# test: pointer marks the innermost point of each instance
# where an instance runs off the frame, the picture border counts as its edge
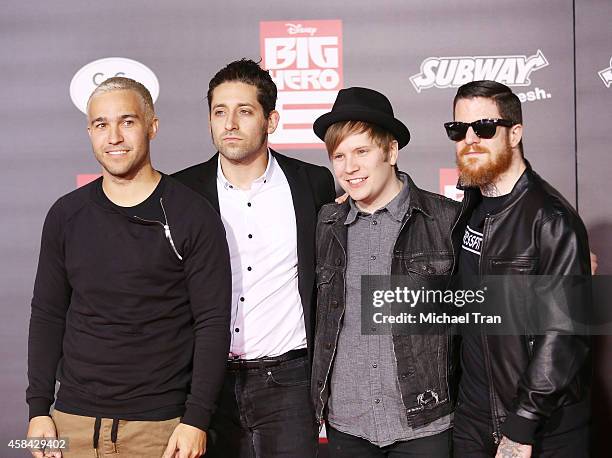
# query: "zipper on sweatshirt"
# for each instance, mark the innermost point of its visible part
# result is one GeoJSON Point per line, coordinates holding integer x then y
{"type": "Point", "coordinates": [166, 227]}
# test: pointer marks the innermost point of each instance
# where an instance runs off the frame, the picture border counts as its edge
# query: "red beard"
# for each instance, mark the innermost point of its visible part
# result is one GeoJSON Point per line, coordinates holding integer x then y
{"type": "Point", "coordinates": [474, 172]}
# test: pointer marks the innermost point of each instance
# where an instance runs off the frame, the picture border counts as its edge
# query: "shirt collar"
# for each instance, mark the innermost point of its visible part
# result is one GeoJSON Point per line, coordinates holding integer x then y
{"type": "Point", "coordinates": [258, 182]}
{"type": "Point", "coordinates": [397, 208]}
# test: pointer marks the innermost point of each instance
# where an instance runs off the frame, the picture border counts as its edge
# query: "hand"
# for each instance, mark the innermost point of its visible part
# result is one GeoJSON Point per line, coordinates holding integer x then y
{"type": "Point", "coordinates": [186, 442]}
{"type": "Point", "coordinates": [341, 199]}
{"type": "Point", "coordinates": [43, 427]}
{"type": "Point", "coordinates": [510, 449]}
{"type": "Point", "coordinates": [593, 263]}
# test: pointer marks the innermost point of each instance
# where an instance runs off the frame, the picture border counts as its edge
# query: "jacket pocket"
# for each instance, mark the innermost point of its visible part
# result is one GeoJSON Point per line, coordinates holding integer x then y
{"type": "Point", "coordinates": [325, 299]}
{"type": "Point", "coordinates": [428, 269]}
{"type": "Point", "coordinates": [438, 263]}
{"type": "Point", "coordinates": [530, 340]}
{"type": "Point", "coordinates": [324, 276]}
{"type": "Point", "coordinates": [519, 265]}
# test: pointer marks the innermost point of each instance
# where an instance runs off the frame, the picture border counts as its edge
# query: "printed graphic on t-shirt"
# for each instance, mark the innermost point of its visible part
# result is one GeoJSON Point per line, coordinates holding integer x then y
{"type": "Point", "coordinates": [472, 240]}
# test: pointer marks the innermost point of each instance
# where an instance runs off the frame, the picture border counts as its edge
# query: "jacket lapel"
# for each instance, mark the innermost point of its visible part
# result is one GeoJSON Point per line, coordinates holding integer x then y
{"type": "Point", "coordinates": [305, 218]}
{"type": "Point", "coordinates": [208, 181]}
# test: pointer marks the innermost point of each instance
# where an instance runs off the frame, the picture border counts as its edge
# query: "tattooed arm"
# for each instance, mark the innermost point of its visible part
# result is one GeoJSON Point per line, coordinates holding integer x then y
{"type": "Point", "coordinates": [510, 449]}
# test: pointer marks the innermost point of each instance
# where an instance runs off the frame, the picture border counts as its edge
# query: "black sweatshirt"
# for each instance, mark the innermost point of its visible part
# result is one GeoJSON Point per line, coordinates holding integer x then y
{"type": "Point", "coordinates": [128, 327]}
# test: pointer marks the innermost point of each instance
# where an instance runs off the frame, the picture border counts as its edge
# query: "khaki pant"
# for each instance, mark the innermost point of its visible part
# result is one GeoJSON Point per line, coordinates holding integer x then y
{"type": "Point", "coordinates": [135, 439]}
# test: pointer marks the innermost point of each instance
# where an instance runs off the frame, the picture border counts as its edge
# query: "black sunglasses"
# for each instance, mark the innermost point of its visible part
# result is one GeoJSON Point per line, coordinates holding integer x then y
{"type": "Point", "coordinates": [484, 128]}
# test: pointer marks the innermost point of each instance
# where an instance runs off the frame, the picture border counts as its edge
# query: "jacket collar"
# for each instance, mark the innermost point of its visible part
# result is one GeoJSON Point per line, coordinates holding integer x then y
{"type": "Point", "coordinates": [415, 196]}
{"type": "Point", "coordinates": [397, 207]}
{"type": "Point", "coordinates": [528, 177]}
{"type": "Point", "coordinates": [207, 175]}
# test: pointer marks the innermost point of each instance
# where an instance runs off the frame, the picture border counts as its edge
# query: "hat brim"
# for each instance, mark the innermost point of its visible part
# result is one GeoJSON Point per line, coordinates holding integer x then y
{"type": "Point", "coordinates": [389, 123]}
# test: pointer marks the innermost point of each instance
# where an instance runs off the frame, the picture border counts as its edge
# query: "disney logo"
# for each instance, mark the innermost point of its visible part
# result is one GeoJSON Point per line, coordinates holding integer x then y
{"type": "Point", "coordinates": [294, 29]}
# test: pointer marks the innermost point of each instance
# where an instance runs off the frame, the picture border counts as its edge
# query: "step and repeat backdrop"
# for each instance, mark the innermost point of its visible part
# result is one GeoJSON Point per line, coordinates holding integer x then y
{"type": "Point", "coordinates": [555, 54]}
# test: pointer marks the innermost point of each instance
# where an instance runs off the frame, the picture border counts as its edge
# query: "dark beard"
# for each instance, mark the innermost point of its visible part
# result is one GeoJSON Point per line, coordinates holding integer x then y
{"type": "Point", "coordinates": [483, 176]}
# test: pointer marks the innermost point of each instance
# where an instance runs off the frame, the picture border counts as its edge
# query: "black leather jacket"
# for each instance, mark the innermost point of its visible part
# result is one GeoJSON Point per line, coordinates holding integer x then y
{"type": "Point", "coordinates": [423, 250]}
{"type": "Point", "coordinates": [532, 378]}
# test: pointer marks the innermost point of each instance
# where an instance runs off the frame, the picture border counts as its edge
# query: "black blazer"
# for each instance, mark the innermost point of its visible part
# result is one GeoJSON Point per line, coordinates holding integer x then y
{"type": "Point", "coordinates": [311, 186]}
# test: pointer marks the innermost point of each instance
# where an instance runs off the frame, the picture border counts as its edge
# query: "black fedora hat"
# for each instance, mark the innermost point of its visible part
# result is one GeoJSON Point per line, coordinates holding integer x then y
{"type": "Point", "coordinates": [362, 104]}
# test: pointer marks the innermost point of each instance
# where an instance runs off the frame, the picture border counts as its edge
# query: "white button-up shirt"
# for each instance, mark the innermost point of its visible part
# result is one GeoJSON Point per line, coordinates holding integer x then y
{"type": "Point", "coordinates": [267, 312]}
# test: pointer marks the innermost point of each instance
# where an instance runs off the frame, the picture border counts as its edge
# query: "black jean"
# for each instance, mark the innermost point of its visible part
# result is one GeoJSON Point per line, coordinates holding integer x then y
{"type": "Point", "coordinates": [265, 413]}
{"type": "Point", "coordinates": [473, 438]}
{"type": "Point", "coordinates": [342, 445]}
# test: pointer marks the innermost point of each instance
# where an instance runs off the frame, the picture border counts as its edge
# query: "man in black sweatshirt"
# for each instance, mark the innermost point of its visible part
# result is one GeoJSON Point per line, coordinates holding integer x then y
{"type": "Point", "coordinates": [130, 311]}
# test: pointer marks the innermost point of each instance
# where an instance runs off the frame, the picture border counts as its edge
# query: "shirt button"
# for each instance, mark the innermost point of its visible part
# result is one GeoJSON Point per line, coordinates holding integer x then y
{"type": "Point", "coordinates": [248, 204]}
{"type": "Point", "coordinates": [242, 299]}
{"type": "Point", "coordinates": [250, 236]}
{"type": "Point", "coordinates": [374, 223]}
{"type": "Point", "coordinates": [374, 365]}
{"type": "Point", "coordinates": [377, 401]}
{"type": "Point", "coordinates": [237, 329]}
{"type": "Point", "coordinates": [249, 268]}
{"type": "Point", "coordinates": [373, 258]}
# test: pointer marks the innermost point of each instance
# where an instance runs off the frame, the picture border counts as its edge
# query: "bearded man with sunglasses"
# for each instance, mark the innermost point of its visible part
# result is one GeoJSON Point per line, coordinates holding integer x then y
{"type": "Point", "coordinates": [520, 396]}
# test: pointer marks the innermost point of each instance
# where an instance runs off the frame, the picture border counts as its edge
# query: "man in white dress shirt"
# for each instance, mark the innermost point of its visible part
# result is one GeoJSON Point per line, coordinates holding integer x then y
{"type": "Point", "coordinates": [268, 203]}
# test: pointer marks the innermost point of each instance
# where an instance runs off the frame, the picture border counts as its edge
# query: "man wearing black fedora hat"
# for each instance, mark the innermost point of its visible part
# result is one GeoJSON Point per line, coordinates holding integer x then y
{"type": "Point", "coordinates": [381, 394]}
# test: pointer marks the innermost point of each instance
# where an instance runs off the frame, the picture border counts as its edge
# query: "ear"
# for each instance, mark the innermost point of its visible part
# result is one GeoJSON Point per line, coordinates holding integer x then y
{"type": "Point", "coordinates": [153, 128]}
{"type": "Point", "coordinates": [273, 119]}
{"type": "Point", "coordinates": [516, 134]}
{"type": "Point", "coordinates": [393, 152]}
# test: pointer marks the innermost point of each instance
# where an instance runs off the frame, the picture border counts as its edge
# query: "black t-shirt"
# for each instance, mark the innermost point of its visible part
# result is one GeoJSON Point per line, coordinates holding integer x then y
{"type": "Point", "coordinates": [474, 387]}
{"type": "Point", "coordinates": [119, 321]}
{"type": "Point", "coordinates": [150, 209]}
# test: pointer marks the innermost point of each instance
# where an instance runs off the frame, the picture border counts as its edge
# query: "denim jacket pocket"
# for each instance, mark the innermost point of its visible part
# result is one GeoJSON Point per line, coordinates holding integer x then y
{"type": "Point", "coordinates": [439, 263]}
{"type": "Point", "coordinates": [324, 275]}
{"type": "Point", "coordinates": [325, 299]}
{"type": "Point", "coordinates": [427, 269]}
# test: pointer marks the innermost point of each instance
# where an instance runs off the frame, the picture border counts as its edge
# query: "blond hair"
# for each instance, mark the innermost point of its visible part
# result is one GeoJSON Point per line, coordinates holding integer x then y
{"type": "Point", "coordinates": [121, 83]}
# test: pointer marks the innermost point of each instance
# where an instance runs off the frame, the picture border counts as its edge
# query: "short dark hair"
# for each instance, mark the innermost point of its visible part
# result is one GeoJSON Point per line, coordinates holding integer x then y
{"type": "Point", "coordinates": [247, 71]}
{"type": "Point", "coordinates": [508, 104]}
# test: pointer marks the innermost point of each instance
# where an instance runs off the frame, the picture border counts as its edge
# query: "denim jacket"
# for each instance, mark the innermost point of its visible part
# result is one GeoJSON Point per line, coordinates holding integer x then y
{"type": "Point", "coordinates": [423, 252]}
